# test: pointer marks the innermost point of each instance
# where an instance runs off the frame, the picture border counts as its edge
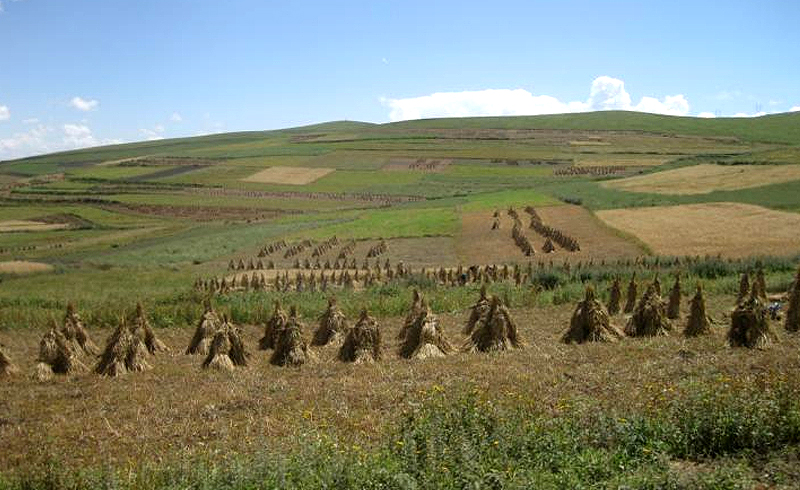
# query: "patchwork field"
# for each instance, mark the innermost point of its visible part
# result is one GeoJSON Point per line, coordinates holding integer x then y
{"type": "Point", "coordinates": [26, 225]}
{"type": "Point", "coordinates": [23, 267]}
{"type": "Point", "coordinates": [288, 175]}
{"type": "Point", "coordinates": [730, 229]}
{"type": "Point", "coordinates": [700, 179]}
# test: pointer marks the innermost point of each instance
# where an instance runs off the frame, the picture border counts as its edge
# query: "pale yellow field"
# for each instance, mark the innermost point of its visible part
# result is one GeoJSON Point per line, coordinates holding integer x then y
{"type": "Point", "coordinates": [701, 179]}
{"type": "Point", "coordinates": [730, 229]}
{"type": "Point", "coordinates": [25, 225]}
{"type": "Point", "coordinates": [288, 175]}
{"type": "Point", "coordinates": [23, 267]}
{"type": "Point", "coordinates": [601, 159]}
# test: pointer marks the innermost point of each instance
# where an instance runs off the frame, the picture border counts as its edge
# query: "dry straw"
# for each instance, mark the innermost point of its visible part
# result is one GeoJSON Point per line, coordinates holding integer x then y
{"type": "Point", "coordinates": [478, 312]}
{"type": "Point", "coordinates": [142, 329]}
{"type": "Point", "coordinates": [750, 323]}
{"type": "Point", "coordinates": [75, 331]}
{"type": "Point", "coordinates": [793, 312]}
{"type": "Point", "coordinates": [698, 323]}
{"type": "Point", "coordinates": [744, 288]}
{"type": "Point", "coordinates": [227, 349]}
{"type": "Point", "coordinates": [590, 322]}
{"type": "Point", "coordinates": [274, 325]}
{"type": "Point", "coordinates": [7, 368]}
{"type": "Point", "coordinates": [206, 329]}
{"type": "Point", "coordinates": [125, 352]}
{"type": "Point", "coordinates": [495, 331]}
{"type": "Point", "coordinates": [413, 312]}
{"type": "Point", "coordinates": [332, 325]}
{"type": "Point", "coordinates": [674, 305]}
{"type": "Point", "coordinates": [614, 297]}
{"type": "Point", "coordinates": [363, 342]}
{"type": "Point", "coordinates": [425, 338]}
{"type": "Point", "coordinates": [56, 355]}
{"type": "Point", "coordinates": [630, 304]}
{"type": "Point", "coordinates": [291, 348]}
{"type": "Point", "coordinates": [649, 319]}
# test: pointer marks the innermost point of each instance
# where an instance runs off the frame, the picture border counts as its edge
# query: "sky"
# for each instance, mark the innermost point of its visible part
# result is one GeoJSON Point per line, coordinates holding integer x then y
{"type": "Point", "coordinates": [77, 73]}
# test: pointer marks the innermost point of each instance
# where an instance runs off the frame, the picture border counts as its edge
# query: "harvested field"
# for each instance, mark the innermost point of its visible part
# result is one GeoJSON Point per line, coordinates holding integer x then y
{"type": "Point", "coordinates": [178, 409]}
{"type": "Point", "coordinates": [418, 164]}
{"type": "Point", "coordinates": [705, 178]}
{"type": "Point", "coordinates": [288, 175]}
{"type": "Point", "coordinates": [27, 225]}
{"type": "Point", "coordinates": [479, 244]}
{"type": "Point", "coordinates": [730, 229]}
{"type": "Point", "coordinates": [23, 267]}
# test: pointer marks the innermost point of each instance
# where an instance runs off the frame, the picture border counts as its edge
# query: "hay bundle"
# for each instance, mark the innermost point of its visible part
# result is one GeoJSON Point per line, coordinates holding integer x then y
{"type": "Point", "coordinates": [744, 288]}
{"type": "Point", "coordinates": [674, 305]}
{"type": "Point", "coordinates": [363, 341]}
{"type": "Point", "coordinates": [206, 329]}
{"type": "Point", "coordinates": [750, 324]}
{"type": "Point", "coordinates": [274, 325]}
{"type": "Point", "coordinates": [290, 346]}
{"type": "Point", "coordinates": [496, 331]}
{"type": "Point", "coordinates": [793, 312]}
{"type": "Point", "coordinates": [56, 355]}
{"type": "Point", "coordinates": [7, 368]}
{"type": "Point", "coordinates": [649, 319]}
{"type": "Point", "coordinates": [411, 316]}
{"type": "Point", "coordinates": [75, 331]}
{"type": "Point", "coordinates": [332, 325]}
{"type": "Point", "coordinates": [425, 339]}
{"type": "Point", "coordinates": [630, 303]}
{"type": "Point", "coordinates": [614, 297]}
{"type": "Point", "coordinates": [124, 352]}
{"type": "Point", "coordinates": [760, 286]}
{"type": "Point", "coordinates": [479, 311]}
{"type": "Point", "coordinates": [698, 322]}
{"type": "Point", "coordinates": [227, 349]}
{"type": "Point", "coordinates": [142, 329]}
{"type": "Point", "coordinates": [590, 322]}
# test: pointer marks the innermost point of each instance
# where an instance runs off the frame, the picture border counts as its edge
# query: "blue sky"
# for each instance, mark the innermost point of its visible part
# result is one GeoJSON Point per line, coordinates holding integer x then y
{"type": "Point", "coordinates": [85, 72]}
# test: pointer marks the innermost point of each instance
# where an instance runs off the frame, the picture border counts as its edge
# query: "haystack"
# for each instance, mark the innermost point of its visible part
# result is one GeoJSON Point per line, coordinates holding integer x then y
{"type": "Point", "coordinates": [56, 355]}
{"type": "Point", "coordinates": [630, 303]}
{"type": "Point", "coordinates": [479, 311]}
{"type": "Point", "coordinates": [614, 297]}
{"type": "Point", "coordinates": [698, 323]}
{"type": "Point", "coordinates": [142, 329]}
{"type": "Point", "coordinates": [425, 339]}
{"type": "Point", "coordinates": [332, 325]}
{"type": "Point", "coordinates": [206, 329]}
{"type": "Point", "coordinates": [363, 341]}
{"type": "Point", "coordinates": [649, 319]}
{"type": "Point", "coordinates": [290, 346]}
{"type": "Point", "coordinates": [75, 331]}
{"type": "Point", "coordinates": [413, 312]}
{"type": "Point", "coordinates": [793, 312]}
{"type": "Point", "coordinates": [125, 352]}
{"type": "Point", "coordinates": [674, 305]}
{"type": "Point", "coordinates": [744, 288]}
{"type": "Point", "coordinates": [750, 324]}
{"type": "Point", "coordinates": [496, 331]}
{"type": "Point", "coordinates": [590, 322]}
{"type": "Point", "coordinates": [227, 349]}
{"type": "Point", "coordinates": [760, 286]}
{"type": "Point", "coordinates": [7, 368]}
{"type": "Point", "coordinates": [274, 325]}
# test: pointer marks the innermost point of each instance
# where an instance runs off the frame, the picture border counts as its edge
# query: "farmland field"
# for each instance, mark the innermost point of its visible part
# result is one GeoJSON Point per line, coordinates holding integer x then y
{"type": "Point", "coordinates": [533, 208]}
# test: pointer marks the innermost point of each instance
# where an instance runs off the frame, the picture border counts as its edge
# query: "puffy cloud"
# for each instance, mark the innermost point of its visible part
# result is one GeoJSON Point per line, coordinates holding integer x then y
{"type": "Point", "coordinates": [5, 114]}
{"type": "Point", "coordinates": [28, 142]}
{"type": "Point", "coordinates": [78, 136]}
{"type": "Point", "coordinates": [795, 109]}
{"type": "Point", "coordinates": [175, 117]}
{"type": "Point", "coordinates": [84, 105]}
{"type": "Point", "coordinates": [606, 93]}
{"type": "Point", "coordinates": [745, 114]}
{"type": "Point", "coordinates": [153, 134]}
{"type": "Point", "coordinates": [707, 115]}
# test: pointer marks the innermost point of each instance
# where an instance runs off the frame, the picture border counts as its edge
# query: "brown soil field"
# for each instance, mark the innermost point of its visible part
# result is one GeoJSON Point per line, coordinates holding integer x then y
{"type": "Point", "coordinates": [704, 178]}
{"type": "Point", "coordinates": [730, 229]}
{"type": "Point", "coordinates": [26, 225]}
{"type": "Point", "coordinates": [177, 409]}
{"type": "Point", "coordinates": [23, 267]}
{"type": "Point", "coordinates": [479, 244]}
{"type": "Point", "coordinates": [288, 175]}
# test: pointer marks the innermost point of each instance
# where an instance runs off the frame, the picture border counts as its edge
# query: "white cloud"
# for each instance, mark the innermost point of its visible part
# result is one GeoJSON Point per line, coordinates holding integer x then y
{"type": "Point", "coordinates": [156, 133]}
{"type": "Point", "coordinates": [78, 136]}
{"type": "Point", "coordinates": [28, 142]}
{"type": "Point", "coordinates": [84, 105]}
{"type": "Point", "coordinates": [708, 115]}
{"type": "Point", "coordinates": [745, 114]}
{"type": "Point", "coordinates": [606, 93]}
{"type": "Point", "coordinates": [31, 120]}
{"type": "Point", "coordinates": [5, 114]}
{"type": "Point", "coordinates": [175, 117]}
{"type": "Point", "coordinates": [795, 108]}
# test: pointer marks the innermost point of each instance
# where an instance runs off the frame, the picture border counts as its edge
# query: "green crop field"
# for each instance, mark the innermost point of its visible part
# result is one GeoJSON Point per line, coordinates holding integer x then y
{"type": "Point", "coordinates": [172, 223]}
